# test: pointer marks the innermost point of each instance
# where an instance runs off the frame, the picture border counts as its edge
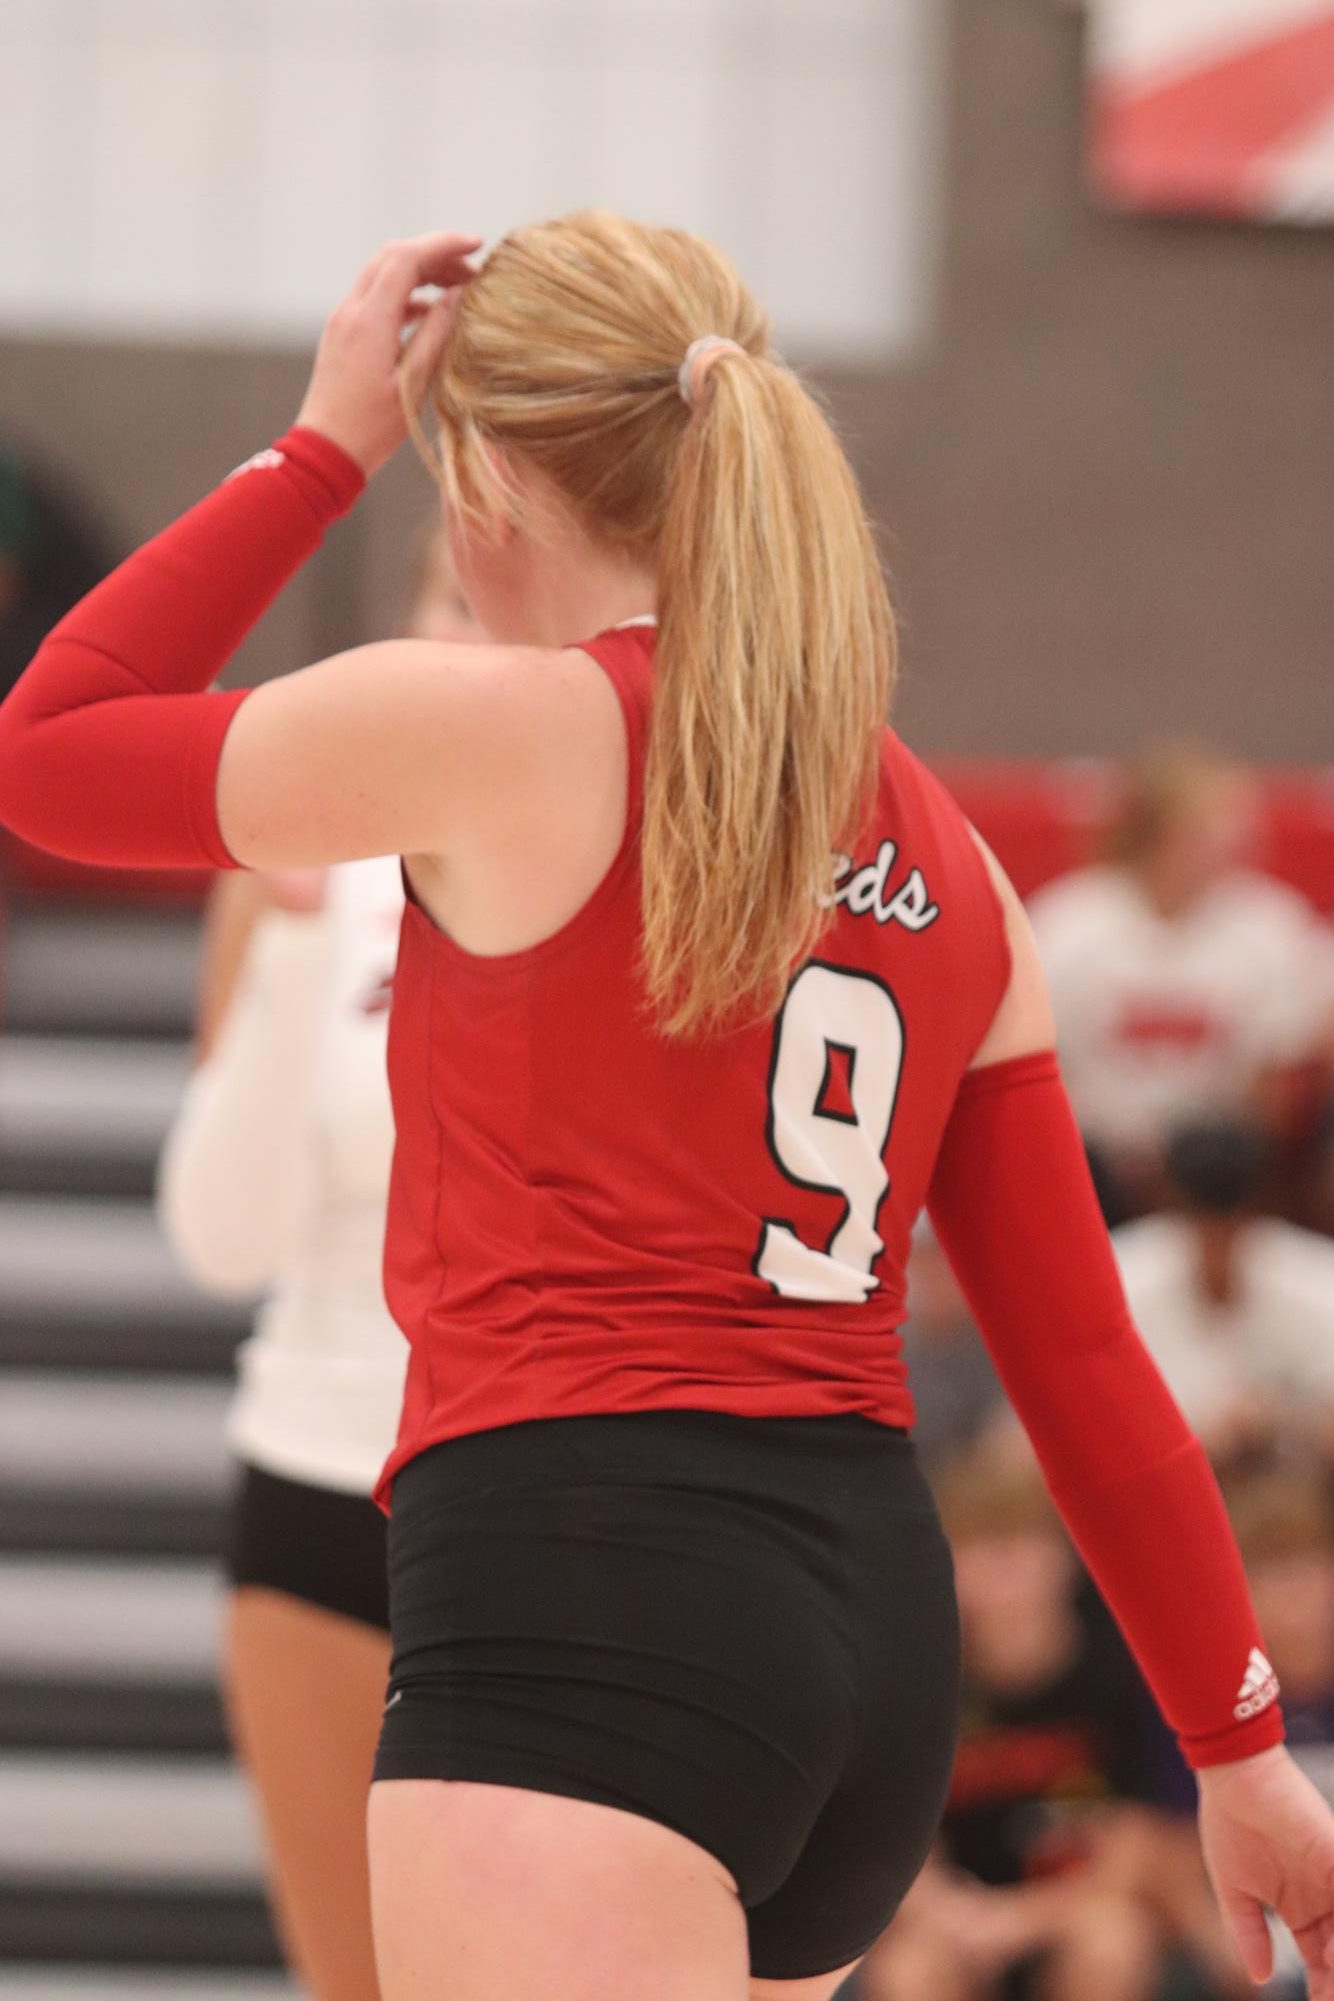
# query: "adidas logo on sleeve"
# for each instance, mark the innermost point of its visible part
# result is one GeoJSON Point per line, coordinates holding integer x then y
{"type": "Point", "coordinates": [269, 457]}
{"type": "Point", "coordinates": [1258, 1689]}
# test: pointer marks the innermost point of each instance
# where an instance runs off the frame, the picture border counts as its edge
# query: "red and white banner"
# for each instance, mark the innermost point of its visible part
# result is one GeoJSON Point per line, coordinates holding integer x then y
{"type": "Point", "coordinates": [1220, 106]}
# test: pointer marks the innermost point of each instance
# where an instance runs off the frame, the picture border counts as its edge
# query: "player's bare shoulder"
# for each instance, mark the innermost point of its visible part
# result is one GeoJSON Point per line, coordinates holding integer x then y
{"type": "Point", "coordinates": [1023, 1022]}
{"type": "Point", "coordinates": [523, 727]}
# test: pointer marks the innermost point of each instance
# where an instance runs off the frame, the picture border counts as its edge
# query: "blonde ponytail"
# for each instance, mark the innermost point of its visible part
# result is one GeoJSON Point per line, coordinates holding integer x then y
{"type": "Point", "coordinates": [775, 657]}
{"type": "Point", "coordinates": [774, 671]}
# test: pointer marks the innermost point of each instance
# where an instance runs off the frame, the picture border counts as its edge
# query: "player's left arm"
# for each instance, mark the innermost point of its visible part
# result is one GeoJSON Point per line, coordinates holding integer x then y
{"type": "Point", "coordinates": [1014, 1207]}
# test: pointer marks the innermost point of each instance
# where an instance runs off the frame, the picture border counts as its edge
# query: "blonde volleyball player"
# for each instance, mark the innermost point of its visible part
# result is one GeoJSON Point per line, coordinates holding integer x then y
{"type": "Point", "coordinates": [704, 988]}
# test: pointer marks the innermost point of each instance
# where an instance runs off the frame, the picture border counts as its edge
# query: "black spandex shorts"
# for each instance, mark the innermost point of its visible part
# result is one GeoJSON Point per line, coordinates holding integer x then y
{"type": "Point", "coordinates": [314, 1543]}
{"type": "Point", "coordinates": [742, 1628]}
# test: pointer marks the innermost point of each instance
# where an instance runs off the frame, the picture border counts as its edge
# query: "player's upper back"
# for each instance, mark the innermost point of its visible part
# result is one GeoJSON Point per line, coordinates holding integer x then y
{"type": "Point", "coordinates": [590, 1215]}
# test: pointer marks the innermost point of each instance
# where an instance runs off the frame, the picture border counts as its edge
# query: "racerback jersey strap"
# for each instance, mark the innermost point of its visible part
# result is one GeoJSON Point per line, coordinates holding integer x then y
{"type": "Point", "coordinates": [625, 655]}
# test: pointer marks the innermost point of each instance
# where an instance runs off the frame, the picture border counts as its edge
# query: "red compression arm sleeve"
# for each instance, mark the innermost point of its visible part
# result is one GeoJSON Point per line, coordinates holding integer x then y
{"type": "Point", "coordinates": [108, 751]}
{"type": "Point", "coordinates": [1014, 1208]}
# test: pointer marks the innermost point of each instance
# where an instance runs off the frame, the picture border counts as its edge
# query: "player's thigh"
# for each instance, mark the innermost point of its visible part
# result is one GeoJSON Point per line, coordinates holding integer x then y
{"type": "Point", "coordinates": [821, 1988]}
{"type": "Point", "coordinates": [481, 1891]}
{"type": "Point", "coordinates": [305, 1689]}
{"type": "Point", "coordinates": [305, 1693]}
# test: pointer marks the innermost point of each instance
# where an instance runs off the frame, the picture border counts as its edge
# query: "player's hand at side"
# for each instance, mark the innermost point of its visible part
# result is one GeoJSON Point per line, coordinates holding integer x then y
{"type": "Point", "coordinates": [363, 372]}
{"type": "Point", "coordinates": [1269, 1840]}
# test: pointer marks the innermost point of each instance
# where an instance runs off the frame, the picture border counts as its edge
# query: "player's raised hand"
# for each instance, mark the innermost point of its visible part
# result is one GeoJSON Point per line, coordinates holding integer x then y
{"type": "Point", "coordinates": [363, 369]}
{"type": "Point", "coordinates": [1269, 1840]}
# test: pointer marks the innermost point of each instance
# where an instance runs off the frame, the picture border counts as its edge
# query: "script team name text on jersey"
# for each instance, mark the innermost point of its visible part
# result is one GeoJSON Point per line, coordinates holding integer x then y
{"type": "Point", "coordinates": [865, 891]}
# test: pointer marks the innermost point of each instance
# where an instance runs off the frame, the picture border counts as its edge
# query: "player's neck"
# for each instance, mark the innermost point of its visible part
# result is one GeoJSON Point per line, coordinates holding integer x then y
{"type": "Point", "coordinates": [572, 587]}
{"type": "Point", "coordinates": [591, 598]}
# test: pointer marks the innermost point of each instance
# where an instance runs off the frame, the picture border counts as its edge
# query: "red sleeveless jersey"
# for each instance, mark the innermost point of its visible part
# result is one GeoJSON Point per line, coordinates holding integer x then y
{"type": "Point", "coordinates": [585, 1216]}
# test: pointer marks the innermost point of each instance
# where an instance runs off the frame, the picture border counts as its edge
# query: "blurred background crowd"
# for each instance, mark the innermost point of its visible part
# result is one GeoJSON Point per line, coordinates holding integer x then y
{"type": "Point", "coordinates": [1192, 994]}
{"type": "Point", "coordinates": [1063, 272]}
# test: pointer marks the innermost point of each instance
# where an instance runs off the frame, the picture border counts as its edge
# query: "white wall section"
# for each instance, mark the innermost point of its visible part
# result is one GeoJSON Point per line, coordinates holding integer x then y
{"type": "Point", "coordinates": [222, 167]}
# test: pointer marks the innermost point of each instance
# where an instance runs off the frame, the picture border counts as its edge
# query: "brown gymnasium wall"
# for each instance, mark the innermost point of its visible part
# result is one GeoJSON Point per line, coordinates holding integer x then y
{"type": "Point", "coordinates": [1108, 489]}
{"type": "Point", "coordinates": [1106, 486]}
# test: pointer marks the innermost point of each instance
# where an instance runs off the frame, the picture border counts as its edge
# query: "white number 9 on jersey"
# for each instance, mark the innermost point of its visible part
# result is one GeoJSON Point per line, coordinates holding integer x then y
{"type": "Point", "coordinates": [833, 1084]}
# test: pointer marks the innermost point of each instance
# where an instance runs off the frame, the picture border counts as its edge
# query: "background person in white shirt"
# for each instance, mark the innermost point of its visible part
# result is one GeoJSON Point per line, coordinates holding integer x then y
{"type": "Point", "coordinates": [1237, 1308]}
{"type": "Point", "coordinates": [1185, 985]}
{"type": "Point", "coordinates": [274, 1179]}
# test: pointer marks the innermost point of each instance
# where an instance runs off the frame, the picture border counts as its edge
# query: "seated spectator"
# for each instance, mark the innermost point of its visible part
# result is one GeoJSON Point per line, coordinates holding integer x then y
{"type": "Point", "coordinates": [956, 1390]}
{"type": "Point", "coordinates": [1284, 1524]}
{"type": "Point", "coordinates": [1185, 985]}
{"type": "Point", "coordinates": [1237, 1308]}
{"type": "Point", "coordinates": [1285, 1527]}
{"type": "Point", "coordinates": [1059, 1874]}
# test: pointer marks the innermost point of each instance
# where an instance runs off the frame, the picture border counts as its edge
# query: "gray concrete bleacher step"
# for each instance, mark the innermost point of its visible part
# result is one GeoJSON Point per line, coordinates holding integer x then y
{"type": "Point", "coordinates": [39, 1713]}
{"type": "Point", "coordinates": [110, 1654]}
{"type": "Point", "coordinates": [90, 1283]}
{"type": "Point", "coordinates": [117, 1858]}
{"type": "Point", "coordinates": [184, 1924]}
{"type": "Point", "coordinates": [169, 1820]}
{"type": "Point", "coordinates": [99, 1462]}
{"type": "Point", "coordinates": [101, 972]}
{"type": "Point", "coordinates": [129, 1856]}
{"type": "Point", "coordinates": [85, 1115]}
{"type": "Point", "coordinates": [76, 1983]}
{"type": "Point", "coordinates": [110, 1433]}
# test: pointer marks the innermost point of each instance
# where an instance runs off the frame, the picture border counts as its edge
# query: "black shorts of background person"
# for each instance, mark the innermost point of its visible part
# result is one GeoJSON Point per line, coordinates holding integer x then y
{"type": "Point", "coordinates": [744, 1629]}
{"type": "Point", "coordinates": [312, 1543]}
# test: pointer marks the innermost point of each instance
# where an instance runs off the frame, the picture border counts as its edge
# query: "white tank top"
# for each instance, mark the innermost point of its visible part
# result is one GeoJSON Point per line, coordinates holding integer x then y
{"type": "Point", "coordinates": [276, 1174]}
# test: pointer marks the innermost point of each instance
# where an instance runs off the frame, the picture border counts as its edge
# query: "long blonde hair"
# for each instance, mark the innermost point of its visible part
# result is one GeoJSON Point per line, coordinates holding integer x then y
{"type": "Point", "coordinates": [775, 657]}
